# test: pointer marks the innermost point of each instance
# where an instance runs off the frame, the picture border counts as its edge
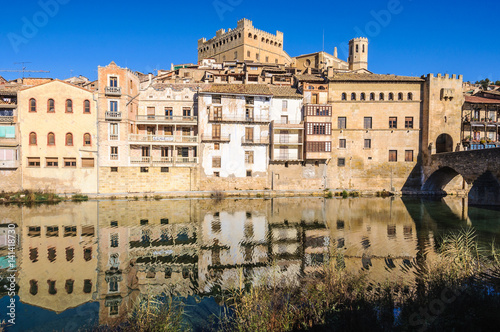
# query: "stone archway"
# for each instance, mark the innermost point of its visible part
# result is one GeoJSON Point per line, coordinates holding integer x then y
{"type": "Point", "coordinates": [444, 143]}
{"type": "Point", "coordinates": [445, 178]}
{"type": "Point", "coordinates": [485, 190]}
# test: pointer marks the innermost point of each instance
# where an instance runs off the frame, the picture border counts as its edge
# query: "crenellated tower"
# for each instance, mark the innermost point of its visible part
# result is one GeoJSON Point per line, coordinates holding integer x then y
{"type": "Point", "coordinates": [358, 53]}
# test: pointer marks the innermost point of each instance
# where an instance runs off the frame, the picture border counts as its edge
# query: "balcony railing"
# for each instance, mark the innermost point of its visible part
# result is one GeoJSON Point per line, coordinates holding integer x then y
{"type": "Point", "coordinates": [284, 156]}
{"type": "Point", "coordinates": [7, 118]}
{"type": "Point", "coordinates": [113, 91]}
{"type": "Point", "coordinates": [163, 138]}
{"type": "Point", "coordinates": [215, 138]}
{"type": "Point", "coordinates": [167, 119]}
{"type": "Point", "coordinates": [287, 139]}
{"type": "Point", "coordinates": [254, 140]}
{"type": "Point", "coordinates": [237, 118]}
{"type": "Point", "coordinates": [113, 115]}
{"type": "Point", "coordinates": [9, 164]}
{"type": "Point", "coordinates": [165, 161]}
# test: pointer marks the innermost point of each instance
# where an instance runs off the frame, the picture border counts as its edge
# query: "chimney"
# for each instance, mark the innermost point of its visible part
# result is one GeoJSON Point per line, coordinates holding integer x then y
{"type": "Point", "coordinates": [150, 76]}
{"type": "Point", "coordinates": [335, 53]}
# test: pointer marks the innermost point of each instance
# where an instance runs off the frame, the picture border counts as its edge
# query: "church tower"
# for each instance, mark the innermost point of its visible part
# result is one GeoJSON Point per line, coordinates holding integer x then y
{"type": "Point", "coordinates": [358, 53]}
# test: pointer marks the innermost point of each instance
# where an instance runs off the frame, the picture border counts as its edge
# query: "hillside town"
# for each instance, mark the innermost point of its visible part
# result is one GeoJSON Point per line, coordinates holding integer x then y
{"type": "Point", "coordinates": [247, 116]}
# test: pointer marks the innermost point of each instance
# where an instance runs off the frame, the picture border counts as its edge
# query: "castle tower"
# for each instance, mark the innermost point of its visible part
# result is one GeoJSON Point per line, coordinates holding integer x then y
{"type": "Point", "coordinates": [358, 53]}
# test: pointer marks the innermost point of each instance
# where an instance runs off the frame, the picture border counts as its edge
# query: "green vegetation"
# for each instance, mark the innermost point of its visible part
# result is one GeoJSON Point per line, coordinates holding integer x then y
{"type": "Point", "coordinates": [329, 194]}
{"type": "Point", "coordinates": [157, 197]}
{"type": "Point", "coordinates": [345, 194]}
{"type": "Point", "coordinates": [79, 198]}
{"type": "Point", "coordinates": [29, 197]}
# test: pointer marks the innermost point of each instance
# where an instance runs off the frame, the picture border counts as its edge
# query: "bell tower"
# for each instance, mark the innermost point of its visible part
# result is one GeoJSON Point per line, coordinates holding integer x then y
{"type": "Point", "coordinates": [358, 53]}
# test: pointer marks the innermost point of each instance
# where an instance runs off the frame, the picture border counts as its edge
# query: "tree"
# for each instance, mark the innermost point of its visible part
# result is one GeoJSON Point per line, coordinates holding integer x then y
{"type": "Point", "coordinates": [497, 83]}
{"type": "Point", "coordinates": [484, 83]}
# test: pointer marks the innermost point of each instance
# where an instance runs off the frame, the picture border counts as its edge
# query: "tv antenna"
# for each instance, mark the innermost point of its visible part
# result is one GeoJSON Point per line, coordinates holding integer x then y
{"type": "Point", "coordinates": [23, 70]}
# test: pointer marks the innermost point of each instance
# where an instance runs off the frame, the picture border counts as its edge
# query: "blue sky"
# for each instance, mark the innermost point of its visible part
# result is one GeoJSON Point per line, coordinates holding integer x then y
{"type": "Point", "coordinates": [407, 37]}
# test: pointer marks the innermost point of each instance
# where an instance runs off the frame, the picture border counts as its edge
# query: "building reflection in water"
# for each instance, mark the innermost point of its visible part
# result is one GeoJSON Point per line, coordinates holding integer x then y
{"type": "Point", "coordinates": [114, 251]}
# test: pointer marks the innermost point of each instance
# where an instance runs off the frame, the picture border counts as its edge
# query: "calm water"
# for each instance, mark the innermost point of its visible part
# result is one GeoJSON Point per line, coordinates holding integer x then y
{"type": "Point", "coordinates": [84, 264]}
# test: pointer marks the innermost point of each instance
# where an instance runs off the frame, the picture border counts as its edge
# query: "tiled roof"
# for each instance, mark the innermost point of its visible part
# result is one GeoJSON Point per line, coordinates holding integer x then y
{"type": "Point", "coordinates": [493, 92]}
{"type": "Point", "coordinates": [179, 86]}
{"type": "Point", "coordinates": [239, 89]}
{"type": "Point", "coordinates": [285, 91]}
{"type": "Point", "coordinates": [310, 78]}
{"type": "Point", "coordinates": [359, 77]}
{"type": "Point", "coordinates": [481, 100]}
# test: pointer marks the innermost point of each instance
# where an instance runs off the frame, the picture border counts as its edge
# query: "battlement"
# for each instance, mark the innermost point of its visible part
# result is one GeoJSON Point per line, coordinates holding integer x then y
{"type": "Point", "coordinates": [359, 39]}
{"type": "Point", "coordinates": [445, 77]}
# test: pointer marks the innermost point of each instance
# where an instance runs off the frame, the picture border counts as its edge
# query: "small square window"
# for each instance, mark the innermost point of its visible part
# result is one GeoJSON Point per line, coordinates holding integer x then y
{"type": "Point", "coordinates": [341, 162]}
{"type": "Point", "coordinates": [165, 170]}
{"type": "Point", "coordinates": [217, 174]}
{"type": "Point", "coordinates": [409, 155]}
{"type": "Point", "coordinates": [164, 221]}
{"type": "Point", "coordinates": [52, 162]}
{"type": "Point", "coordinates": [368, 144]}
{"type": "Point", "coordinates": [216, 146]}
{"type": "Point", "coordinates": [144, 169]}
{"type": "Point", "coordinates": [393, 155]}
{"type": "Point", "coordinates": [69, 162]}
{"type": "Point", "coordinates": [249, 173]}
{"type": "Point", "coordinates": [114, 169]}
{"type": "Point", "coordinates": [342, 143]}
{"type": "Point", "coordinates": [114, 223]}
{"type": "Point", "coordinates": [144, 222]}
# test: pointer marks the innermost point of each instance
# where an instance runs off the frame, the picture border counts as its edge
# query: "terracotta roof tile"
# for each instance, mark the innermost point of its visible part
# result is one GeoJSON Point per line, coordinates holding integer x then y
{"type": "Point", "coordinates": [239, 89]}
{"type": "Point", "coordinates": [310, 78]}
{"type": "Point", "coordinates": [341, 77]}
{"type": "Point", "coordinates": [285, 91]}
{"type": "Point", "coordinates": [481, 100]}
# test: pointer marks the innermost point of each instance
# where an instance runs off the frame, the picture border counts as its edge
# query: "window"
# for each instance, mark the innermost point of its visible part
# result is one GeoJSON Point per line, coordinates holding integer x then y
{"type": "Point", "coordinates": [87, 162]}
{"type": "Point", "coordinates": [249, 134]}
{"type": "Point", "coordinates": [113, 131]}
{"type": "Point", "coordinates": [318, 129]}
{"type": "Point", "coordinates": [367, 123]}
{"type": "Point", "coordinates": [216, 146]}
{"type": "Point", "coordinates": [113, 153]}
{"type": "Point", "coordinates": [249, 174]}
{"type": "Point", "coordinates": [257, 57]}
{"type": "Point", "coordinates": [70, 254]}
{"type": "Point", "coordinates": [32, 105]}
{"type": "Point", "coordinates": [249, 100]}
{"type": "Point", "coordinates": [368, 144]}
{"type": "Point", "coordinates": [216, 99]}
{"type": "Point", "coordinates": [267, 59]}
{"type": "Point", "coordinates": [284, 105]}
{"type": "Point", "coordinates": [186, 111]}
{"type": "Point", "coordinates": [248, 157]}
{"type": "Point", "coordinates": [69, 231]}
{"type": "Point", "coordinates": [216, 162]}
{"type": "Point", "coordinates": [69, 162]}
{"type": "Point", "coordinates": [144, 169]}
{"type": "Point", "coordinates": [51, 162]}
{"type": "Point", "coordinates": [32, 138]}
{"type": "Point", "coordinates": [235, 55]}
{"type": "Point", "coordinates": [87, 286]}
{"type": "Point", "coordinates": [393, 122]}
{"type": "Point", "coordinates": [164, 170]}
{"type": "Point", "coordinates": [353, 96]}
{"type": "Point", "coordinates": [217, 174]}
{"type": "Point", "coordinates": [151, 113]}
{"type": "Point", "coordinates": [372, 96]}
{"type": "Point", "coordinates": [169, 111]}
{"type": "Point", "coordinates": [400, 96]}
{"type": "Point", "coordinates": [52, 287]}
{"type": "Point", "coordinates": [393, 155]}
{"type": "Point", "coordinates": [342, 122]}
{"type": "Point", "coordinates": [114, 240]}
{"type": "Point", "coordinates": [114, 169]}
{"type": "Point", "coordinates": [342, 143]}
{"type": "Point", "coordinates": [409, 155]}
{"type": "Point", "coordinates": [33, 162]}
{"type": "Point", "coordinates": [113, 81]}
{"type": "Point", "coordinates": [410, 96]}
{"type": "Point", "coordinates": [87, 141]}
{"type": "Point", "coordinates": [344, 96]}
{"type": "Point", "coordinates": [341, 162]}
{"type": "Point", "coordinates": [248, 54]}
{"type": "Point", "coordinates": [86, 106]}
{"type": "Point", "coordinates": [363, 96]}
{"type": "Point", "coordinates": [52, 231]}
{"type": "Point", "coordinates": [69, 286]}
{"type": "Point", "coordinates": [409, 122]}
{"type": "Point", "coordinates": [87, 254]}
{"type": "Point", "coordinates": [319, 147]}
{"type": "Point", "coordinates": [88, 231]}
{"type": "Point", "coordinates": [113, 106]}
{"type": "Point", "coordinates": [69, 139]}
{"type": "Point", "coordinates": [391, 96]}
{"type": "Point", "coordinates": [69, 106]}
{"type": "Point", "coordinates": [51, 108]}
{"type": "Point", "coordinates": [381, 96]}
{"type": "Point", "coordinates": [51, 139]}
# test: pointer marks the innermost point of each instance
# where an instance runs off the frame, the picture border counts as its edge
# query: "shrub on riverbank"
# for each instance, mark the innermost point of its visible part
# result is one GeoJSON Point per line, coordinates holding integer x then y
{"type": "Point", "coordinates": [29, 197]}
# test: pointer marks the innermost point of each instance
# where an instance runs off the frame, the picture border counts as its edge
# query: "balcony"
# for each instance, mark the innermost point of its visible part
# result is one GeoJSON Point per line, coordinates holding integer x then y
{"type": "Point", "coordinates": [162, 139]}
{"type": "Point", "coordinates": [287, 139]}
{"type": "Point", "coordinates": [9, 164]}
{"type": "Point", "coordinates": [166, 119]}
{"type": "Point", "coordinates": [116, 116]}
{"type": "Point", "coordinates": [254, 140]}
{"type": "Point", "coordinates": [113, 91]}
{"type": "Point", "coordinates": [236, 118]}
{"type": "Point", "coordinates": [7, 118]}
{"type": "Point", "coordinates": [287, 156]}
{"type": "Point", "coordinates": [288, 124]}
{"type": "Point", "coordinates": [215, 138]}
{"type": "Point", "coordinates": [165, 161]}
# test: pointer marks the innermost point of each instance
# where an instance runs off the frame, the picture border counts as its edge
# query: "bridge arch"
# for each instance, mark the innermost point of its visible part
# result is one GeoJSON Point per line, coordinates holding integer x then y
{"type": "Point", "coordinates": [485, 190]}
{"type": "Point", "coordinates": [444, 143]}
{"type": "Point", "coordinates": [444, 179]}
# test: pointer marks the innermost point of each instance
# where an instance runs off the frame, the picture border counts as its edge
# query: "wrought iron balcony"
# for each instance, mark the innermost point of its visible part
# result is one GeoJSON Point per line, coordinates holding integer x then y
{"type": "Point", "coordinates": [158, 139]}
{"type": "Point", "coordinates": [215, 138]}
{"type": "Point", "coordinates": [167, 119]}
{"type": "Point", "coordinates": [254, 140]}
{"type": "Point", "coordinates": [7, 118]}
{"type": "Point", "coordinates": [113, 91]}
{"type": "Point", "coordinates": [113, 116]}
{"type": "Point", "coordinates": [238, 118]}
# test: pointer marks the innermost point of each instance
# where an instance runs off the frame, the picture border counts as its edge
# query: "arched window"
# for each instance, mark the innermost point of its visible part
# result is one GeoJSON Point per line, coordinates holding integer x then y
{"type": "Point", "coordinates": [51, 108]}
{"type": "Point", "coordinates": [353, 96]}
{"type": "Point", "coordinates": [250, 35]}
{"type": "Point", "coordinates": [69, 106]}
{"type": "Point", "coordinates": [87, 140]}
{"type": "Point", "coordinates": [69, 139]}
{"type": "Point", "coordinates": [51, 139]}
{"type": "Point", "coordinates": [357, 48]}
{"type": "Point", "coordinates": [33, 287]}
{"type": "Point", "coordinates": [372, 96]}
{"type": "Point", "coordinates": [400, 96]}
{"type": "Point", "coordinates": [255, 37]}
{"type": "Point", "coordinates": [86, 106]}
{"type": "Point", "coordinates": [32, 138]}
{"type": "Point", "coordinates": [344, 96]}
{"type": "Point", "coordinates": [381, 96]}
{"type": "Point", "coordinates": [263, 39]}
{"type": "Point", "coordinates": [410, 96]}
{"type": "Point", "coordinates": [391, 96]}
{"type": "Point", "coordinates": [267, 41]}
{"type": "Point", "coordinates": [363, 48]}
{"type": "Point", "coordinates": [32, 105]}
{"type": "Point", "coordinates": [363, 96]}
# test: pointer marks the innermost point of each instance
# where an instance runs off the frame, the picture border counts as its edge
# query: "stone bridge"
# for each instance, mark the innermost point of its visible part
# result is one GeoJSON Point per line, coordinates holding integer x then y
{"type": "Point", "coordinates": [475, 173]}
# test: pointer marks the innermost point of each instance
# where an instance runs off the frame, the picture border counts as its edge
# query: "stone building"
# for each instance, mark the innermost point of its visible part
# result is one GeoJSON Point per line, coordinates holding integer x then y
{"type": "Point", "coordinates": [245, 43]}
{"type": "Point", "coordinates": [10, 147]}
{"type": "Point", "coordinates": [57, 125]}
